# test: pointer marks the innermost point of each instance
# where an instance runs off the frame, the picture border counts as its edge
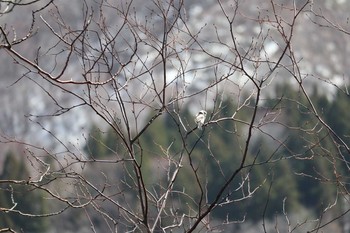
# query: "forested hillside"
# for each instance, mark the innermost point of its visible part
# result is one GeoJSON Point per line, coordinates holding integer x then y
{"type": "Point", "coordinates": [99, 100]}
{"type": "Point", "coordinates": [293, 174]}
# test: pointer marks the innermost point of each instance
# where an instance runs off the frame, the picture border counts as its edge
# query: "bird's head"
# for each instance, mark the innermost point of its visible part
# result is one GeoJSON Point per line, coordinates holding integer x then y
{"type": "Point", "coordinates": [203, 112]}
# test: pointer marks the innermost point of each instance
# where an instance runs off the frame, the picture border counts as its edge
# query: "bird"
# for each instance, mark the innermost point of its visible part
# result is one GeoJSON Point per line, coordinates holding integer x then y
{"type": "Point", "coordinates": [200, 118]}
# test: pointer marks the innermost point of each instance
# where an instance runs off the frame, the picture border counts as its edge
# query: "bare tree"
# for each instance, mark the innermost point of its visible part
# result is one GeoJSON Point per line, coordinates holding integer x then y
{"type": "Point", "coordinates": [131, 64]}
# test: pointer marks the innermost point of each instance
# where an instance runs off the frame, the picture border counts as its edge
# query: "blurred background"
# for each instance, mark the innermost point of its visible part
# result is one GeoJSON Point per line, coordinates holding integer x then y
{"type": "Point", "coordinates": [296, 176]}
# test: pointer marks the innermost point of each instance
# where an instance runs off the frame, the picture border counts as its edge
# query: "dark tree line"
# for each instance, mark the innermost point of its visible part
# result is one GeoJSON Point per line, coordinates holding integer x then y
{"type": "Point", "coordinates": [270, 153]}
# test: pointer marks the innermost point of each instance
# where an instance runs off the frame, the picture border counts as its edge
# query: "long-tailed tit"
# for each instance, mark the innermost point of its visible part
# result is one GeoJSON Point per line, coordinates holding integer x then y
{"type": "Point", "coordinates": [200, 118]}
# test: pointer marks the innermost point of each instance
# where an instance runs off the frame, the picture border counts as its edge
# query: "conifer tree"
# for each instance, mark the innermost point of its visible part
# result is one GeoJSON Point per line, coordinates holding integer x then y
{"type": "Point", "coordinates": [20, 198]}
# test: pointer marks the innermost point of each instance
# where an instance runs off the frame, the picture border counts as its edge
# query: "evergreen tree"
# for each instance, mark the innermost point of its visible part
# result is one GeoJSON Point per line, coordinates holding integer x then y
{"type": "Point", "coordinates": [293, 171]}
{"type": "Point", "coordinates": [95, 146]}
{"type": "Point", "coordinates": [28, 199]}
{"type": "Point", "coordinates": [307, 146]}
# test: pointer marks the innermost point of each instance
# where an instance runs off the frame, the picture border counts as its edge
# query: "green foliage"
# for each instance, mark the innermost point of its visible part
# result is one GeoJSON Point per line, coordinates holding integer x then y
{"type": "Point", "coordinates": [101, 144]}
{"type": "Point", "coordinates": [95, 145]}
{"type": "Point", "coordinates": [309, 146]}
{"type": "Point", "coordinates": [28, 200]}
{"type": "Point", "coordinates": [294, 173]}
{"type": "Point", "coordinates": [338, 115]}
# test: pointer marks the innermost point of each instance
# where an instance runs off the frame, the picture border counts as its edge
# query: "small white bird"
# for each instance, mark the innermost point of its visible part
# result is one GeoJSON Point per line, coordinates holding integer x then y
{"type": "Point", "coordinates": [200, 118]}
